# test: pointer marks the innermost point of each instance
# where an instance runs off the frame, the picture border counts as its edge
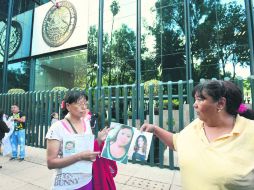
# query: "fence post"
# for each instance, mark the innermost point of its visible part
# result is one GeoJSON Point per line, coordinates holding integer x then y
{"type": "Point", "coordinates": [252, 90]}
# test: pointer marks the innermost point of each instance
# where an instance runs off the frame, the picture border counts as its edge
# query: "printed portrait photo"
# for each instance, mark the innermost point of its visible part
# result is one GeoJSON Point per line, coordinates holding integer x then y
{"type": "Point", "coordinates": [69, 147]}
{"type": "Point", "coordinates": [118, 142]}
{"type": "Point", "coordinates": [140, 146]}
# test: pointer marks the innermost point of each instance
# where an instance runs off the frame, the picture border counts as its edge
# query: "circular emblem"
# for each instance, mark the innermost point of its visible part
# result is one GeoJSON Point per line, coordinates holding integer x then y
{"type": "Point", "coordinates": [59, 24]}
{"type": "Point", "coordinates": [15, 38]}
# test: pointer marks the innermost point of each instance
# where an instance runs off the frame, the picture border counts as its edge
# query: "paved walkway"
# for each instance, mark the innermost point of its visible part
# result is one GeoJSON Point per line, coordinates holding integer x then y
{"type": "Point", "coordinates": [33, 174]}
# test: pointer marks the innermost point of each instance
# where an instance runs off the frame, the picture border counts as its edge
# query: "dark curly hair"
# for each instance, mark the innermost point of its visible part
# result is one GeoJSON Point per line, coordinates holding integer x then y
{"type": "Point", "coordinates": [218, 89]}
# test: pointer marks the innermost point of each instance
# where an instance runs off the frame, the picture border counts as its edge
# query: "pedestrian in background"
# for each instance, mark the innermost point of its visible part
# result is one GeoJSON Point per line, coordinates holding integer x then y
{"type": "Point", "coordinates": [18, 136]}
{"type": "Point", "coordinates": [3, 129]}
{"type": "Point", "coordinates": [54, 117]}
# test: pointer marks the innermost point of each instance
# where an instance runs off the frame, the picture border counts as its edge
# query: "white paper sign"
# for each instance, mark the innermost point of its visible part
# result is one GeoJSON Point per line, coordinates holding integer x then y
{"type": "Point", "coordinates": [75, 144]}
{"type": "Point", "coordinates": [6, 140]}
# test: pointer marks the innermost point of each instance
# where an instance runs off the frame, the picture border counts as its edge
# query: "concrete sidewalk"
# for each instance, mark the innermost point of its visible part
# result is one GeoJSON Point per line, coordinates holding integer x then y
{"type": "Point", "coordinates": [33, 174]}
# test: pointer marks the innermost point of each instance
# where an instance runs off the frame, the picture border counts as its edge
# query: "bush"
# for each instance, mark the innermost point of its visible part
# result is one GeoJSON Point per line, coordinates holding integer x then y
{"type": "Point", "coordinates": [16, 91]}
{"type": "Point", "coordinates": [165, 104]}
{"type": "Point", "coordinates": [79, 89]}
{"type": "Point", "coordinates": [59, 88]}
{"type": "Point", "coordinates": [175, 103]}
{"type": "Point", "coordinates": [148, 83]}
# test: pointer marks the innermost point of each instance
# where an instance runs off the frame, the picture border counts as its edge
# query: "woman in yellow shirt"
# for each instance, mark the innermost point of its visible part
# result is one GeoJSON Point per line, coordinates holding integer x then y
{"type": "Point", "coordinates": [216, 150]}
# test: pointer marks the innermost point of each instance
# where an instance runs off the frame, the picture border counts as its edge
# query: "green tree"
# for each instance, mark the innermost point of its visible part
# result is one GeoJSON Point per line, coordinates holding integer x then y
{"type": "Point", "coordinates": [114, 8]}
{"type": "Point", "coordinates": [123, 49]}
{"type": "Point", "coordinates": [169, 47]}
{"type": "Point", "coordinates": [219, 37]}
{"type": "Point", "coordinates": [92, 56]}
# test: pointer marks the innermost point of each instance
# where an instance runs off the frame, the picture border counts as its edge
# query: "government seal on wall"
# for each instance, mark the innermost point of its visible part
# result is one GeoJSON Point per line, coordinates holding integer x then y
{"type": "Point", "coordinates": [15, 38]}
{"type": "Point", "coordinates": [59, 24]}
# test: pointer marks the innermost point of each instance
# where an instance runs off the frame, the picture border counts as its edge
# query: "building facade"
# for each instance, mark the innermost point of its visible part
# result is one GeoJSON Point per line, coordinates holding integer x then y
{"type": "Point", "coordinates": [87, 43]}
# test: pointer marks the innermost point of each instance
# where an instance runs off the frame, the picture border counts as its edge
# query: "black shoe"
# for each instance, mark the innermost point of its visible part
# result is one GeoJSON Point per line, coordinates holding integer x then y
{"type": "Point", "coordinates": [1, 167]}
{"type": "Point", "coordinates": [21, 159]}
{"type": "Point", "coordinates": [13, 158]}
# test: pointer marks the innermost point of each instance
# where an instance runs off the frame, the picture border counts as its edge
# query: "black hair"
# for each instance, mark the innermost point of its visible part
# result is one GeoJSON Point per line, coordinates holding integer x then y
{"type": "Point", "coordinates": [218, 89]}
{"type": "Point", "coordinates": [136, 147]}
{"type": "Point", "coordinates": [72, 97]}
{"type": "Point", "coordinates": [249, 114]}
{"type": "Point", "coordinates": [52, 115]}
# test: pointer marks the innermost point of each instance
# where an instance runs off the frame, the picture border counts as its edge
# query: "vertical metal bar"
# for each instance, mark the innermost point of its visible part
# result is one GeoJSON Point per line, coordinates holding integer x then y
{"type": "Point", "coordinates": [90, 99]}
{"type": "Point", "coordinates": [250, 24]}
{"type": "Point", "coordinates": [117, 104]}
{"type": "Point", "coordinates": [125, 104]}
{"type": "Point", "coordinates": [96, 103]}
{"type": "Point", "coordinates": [100, 47]}
{"type": "Point", "coordinates": [134, 102]}
{"type": "Point", "coordinates": [109, 104]}
{"type": "Point", "coordinates": [191, 100]}
{"type": "Point", "coordinates": [161, 145]}
{"type": "Point", "coordinates": [142, 104]}
{"type": "Point", "coordinates": [151, 113]}
{"type": "Point", "coordinates": [170, 122]}
{"type": "Point", "coordinates": [138, 57]}
{"type": "Point", "coordinates": [33, 115]}
{"type": "Point", "coordinates": [26, 103]}
{"type": "Point", "coordinates": [37, 116]}
{"type": "Point", "coordinates": [102, 119]}
{"type": "Point", "coordinates": [180, 98]}
{"type": "Point", "coordinates": [42, 122]}
{"type": "Point", "coordinates": [252, 91]}
{"type": "Point", "coordinates": [187, 37]}
{"type": "Point", "coordinates": [7, 42]}
{"type": "Point", "coordinates": [47, 112]}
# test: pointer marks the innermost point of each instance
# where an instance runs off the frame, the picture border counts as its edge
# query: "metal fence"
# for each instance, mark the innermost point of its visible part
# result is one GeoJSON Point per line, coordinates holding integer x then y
{"type": "Point", "coordinates": [167, 104]}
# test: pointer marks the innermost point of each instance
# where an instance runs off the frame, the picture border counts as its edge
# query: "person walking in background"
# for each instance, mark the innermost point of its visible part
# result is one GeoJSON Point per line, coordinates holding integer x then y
{"type": "Point", "coordinates": [216, 150]}
{"type": "Point", "coordinates": [140, 147]}
{"type": "Point", "coordinates": [3, 129]}
{"type": "Point", "coordinates": [54, 117]}
{"type": "Point", "coordinates": [18, 136]}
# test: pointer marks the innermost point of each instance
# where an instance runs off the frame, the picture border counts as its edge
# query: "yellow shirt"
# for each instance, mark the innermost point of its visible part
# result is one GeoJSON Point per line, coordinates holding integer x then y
{"type": "Point", "coordinates": [224, 164]}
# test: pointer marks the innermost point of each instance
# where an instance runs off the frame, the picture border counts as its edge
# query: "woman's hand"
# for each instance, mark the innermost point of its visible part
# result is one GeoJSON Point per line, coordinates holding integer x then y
{"type": "Point", "coordinates": [88, 155]}
{"type": "Point", "coordinates": [148, 127]}
{"type": "Point", "coordinates": [102, 135]}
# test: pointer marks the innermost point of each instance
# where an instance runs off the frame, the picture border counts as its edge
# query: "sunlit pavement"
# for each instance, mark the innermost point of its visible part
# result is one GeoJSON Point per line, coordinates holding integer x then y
{"type": "Point", "coordinates": [33, 174]}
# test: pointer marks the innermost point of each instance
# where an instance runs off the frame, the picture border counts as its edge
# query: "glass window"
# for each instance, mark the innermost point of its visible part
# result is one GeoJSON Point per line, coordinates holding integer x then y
{"type": "Point", "coordinates": [3, 16]}
{"type": "Point", "coordinates": [163, 40]}
{"type": "Point", "coordinates": [119, 42]}
{"type": "Point", "coordinates": [92, 45]}
{"type": "Point", "coordinates": [1, 76]}
{"type": "Point", "coordinates": [18, 75]}
{"type": "Point", "coordinates": [22, 6]}
{"type": "Point", "coordinates": [68, 69]}
{"type": "Point", "coordinates": [219, 39]}
{"type": "Point", "coordinates": [20, 37]}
